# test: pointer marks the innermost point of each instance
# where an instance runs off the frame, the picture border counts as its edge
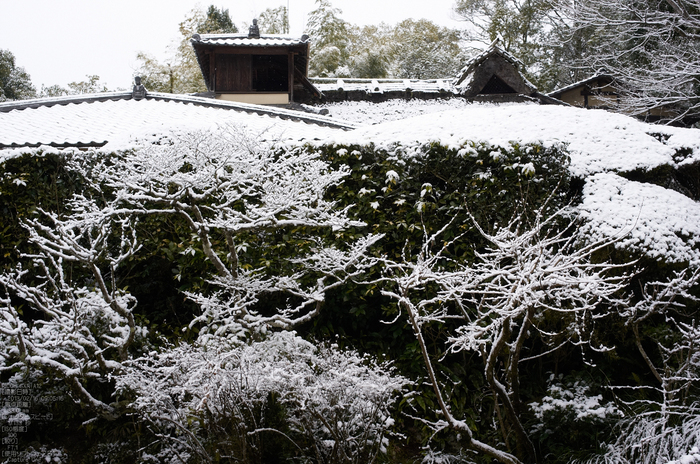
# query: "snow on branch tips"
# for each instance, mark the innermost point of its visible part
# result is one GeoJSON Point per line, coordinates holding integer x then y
{"type": "Point", "coordinates": [534, 279]}
{"type": "Point", "coordinates": [337, 402]}
{"type": "Point", "coordinates": [85, 324]}
{"type": "Point", "coordinates": [251, 217]}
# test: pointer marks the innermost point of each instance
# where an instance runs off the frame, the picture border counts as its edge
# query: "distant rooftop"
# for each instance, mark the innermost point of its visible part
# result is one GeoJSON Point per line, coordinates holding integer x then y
{"type": "Point", "coordinates": [243, 40]}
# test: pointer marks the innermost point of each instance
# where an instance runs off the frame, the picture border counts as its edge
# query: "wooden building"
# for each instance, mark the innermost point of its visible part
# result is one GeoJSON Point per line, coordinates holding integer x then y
{"type": "Point", "coordinates": [495, 76]}
{"type": "Point", "coordinates": [595, 92]}
{"type": "Point", "coordinates": [606, 92]}
{"type": "Point", "coordinates": [252, 68]}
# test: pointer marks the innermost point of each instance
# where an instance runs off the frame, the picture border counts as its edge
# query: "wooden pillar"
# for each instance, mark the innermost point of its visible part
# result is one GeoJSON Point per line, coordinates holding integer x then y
{"type": "Point", "coordinates": [212, 71]}
{"type": "Point", "coordinates": [290, 73]}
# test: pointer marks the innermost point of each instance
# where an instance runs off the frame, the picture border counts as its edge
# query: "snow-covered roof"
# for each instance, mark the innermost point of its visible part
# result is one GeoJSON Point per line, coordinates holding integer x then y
{"type": "Point", "coordinates": [494, 61]}
{"type": "Point", "coordinates": [597, 140]}
{"type": "Point", "coordinates": [243, 40]}
{"type": "Point", "coordinates": [116, 120]}
{"type": "Point", "coordinates": [207, 46]}
{"type": "Point", "coordinates": [597, 78]}
{"type": "Point", "coordinates": [382, 85]}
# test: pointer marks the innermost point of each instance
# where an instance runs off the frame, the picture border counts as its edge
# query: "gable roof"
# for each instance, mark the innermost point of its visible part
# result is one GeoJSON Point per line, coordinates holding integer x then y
{"type": "Point", "coordinates": [244, 40]}
{"type": "Point", "coordinates": [598, 80]}
{"type": "Point", "coordinates": [205, 45]}
{"type": "Point", "coordinates": [116, 120]}
{"type": "Point", "coordinates": [493, 72]}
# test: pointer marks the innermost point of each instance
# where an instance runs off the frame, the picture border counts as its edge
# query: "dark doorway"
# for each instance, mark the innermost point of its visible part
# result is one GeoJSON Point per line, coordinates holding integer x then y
{"type": "Point", "coordinates": [496, 85]}
{"type": "Point", "coordinates": [270, 73]}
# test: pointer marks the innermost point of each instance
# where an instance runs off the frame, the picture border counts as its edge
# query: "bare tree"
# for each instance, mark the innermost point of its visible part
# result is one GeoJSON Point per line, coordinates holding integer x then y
{"type": "Point", "coordinates": [220, 187]}
{"type": "Point", "coordinates": [85, 326]}
{"type": "Point", "coordinates": [651, 47]}
{"type": "Point", "coordinates": [665, 425]}
{"type": "Point", "coordinates": [337, 401]}
{"type": "Point", "coordinates": [527, 276]}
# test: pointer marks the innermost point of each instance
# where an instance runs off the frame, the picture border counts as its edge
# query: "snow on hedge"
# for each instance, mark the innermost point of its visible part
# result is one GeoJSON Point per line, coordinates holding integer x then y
{"type": "Point", "coordinates": [598, 140]}
{"type": "Point", "coordinates": [661, 223]}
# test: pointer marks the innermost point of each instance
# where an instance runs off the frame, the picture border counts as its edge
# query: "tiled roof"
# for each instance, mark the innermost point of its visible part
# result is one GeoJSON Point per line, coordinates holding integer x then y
{"type": "Point", "coordinates": [598, 77]}
{"type": "Point", "coordinates": [116, 121]}
{"type": "Point", "coordinates": [383, 85]}
{"type": "Point", "coordinates": [243, 40]}
{"type": "Point", "coordinates": [466, 76]}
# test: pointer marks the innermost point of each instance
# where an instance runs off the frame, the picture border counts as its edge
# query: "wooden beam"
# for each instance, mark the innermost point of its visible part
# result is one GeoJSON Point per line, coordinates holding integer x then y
{"type": "Point", "coordinates": [212, 71]}
{"type": "Point", "coordinates": [290, 74]}
{"type": "Point", "coordinates": [307, 83]}
{"type": "Point", "coordinates": [273, 50]}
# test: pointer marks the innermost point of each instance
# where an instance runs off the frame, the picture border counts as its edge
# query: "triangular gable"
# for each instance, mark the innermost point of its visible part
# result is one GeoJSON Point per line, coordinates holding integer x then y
{"type": "Point", "coordinates": [495, 85]}
{"type": "Point", "coordinates": [494, 72]}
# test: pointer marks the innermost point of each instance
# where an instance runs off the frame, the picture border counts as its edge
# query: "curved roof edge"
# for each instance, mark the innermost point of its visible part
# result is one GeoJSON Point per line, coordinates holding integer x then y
{"type": "Point", "coordinates": [281, 113]}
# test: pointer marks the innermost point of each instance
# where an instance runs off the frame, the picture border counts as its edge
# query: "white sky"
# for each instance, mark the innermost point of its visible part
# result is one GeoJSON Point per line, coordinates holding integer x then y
{"type": "Point", "coordinates": [61, 41]}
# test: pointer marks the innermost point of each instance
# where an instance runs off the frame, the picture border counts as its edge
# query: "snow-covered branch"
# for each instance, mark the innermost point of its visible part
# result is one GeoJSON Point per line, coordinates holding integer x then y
{"type": "Point", "coordinates": [86, 324]}
{"type": "Point", "coordinates": [530, 274]}
{"type": "Point", "coordinates": [337, 402]}
{"type": "Point", "coordinates": [650, 48]}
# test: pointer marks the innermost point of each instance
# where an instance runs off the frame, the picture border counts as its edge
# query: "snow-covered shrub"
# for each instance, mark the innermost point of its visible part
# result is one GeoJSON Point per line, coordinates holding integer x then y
{"type": "Point", "coordinates": [566, 403]}
{"type": "Point", "coordinates": [652, 439]}
{"type": "Point", "coordinates": [569, 412]}
{"type": "Point", "coordinates": [280, 395]}
{"type": "Point", "coordinates": [664, 425]}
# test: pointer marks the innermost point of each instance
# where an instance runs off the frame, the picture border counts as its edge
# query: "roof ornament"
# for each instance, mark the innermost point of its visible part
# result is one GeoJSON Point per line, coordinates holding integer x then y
{"type": "Point", "coordinates": [196, 37]}
{"type": "Point", "coordinates": [139, 91]}
{"type": "Point", "coordinates": [499, 41]}
{"type": "Point", "coordinates": [254, 31]}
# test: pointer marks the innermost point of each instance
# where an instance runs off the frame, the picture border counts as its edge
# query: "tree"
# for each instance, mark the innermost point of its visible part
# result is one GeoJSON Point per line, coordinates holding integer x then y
{"type": "Point", "coordinates": [329, 41]}
{"type": "Point", "coordinates": [652, 48]}
{"type": "Point", "coordinates": [274, 21]}
{"type": "Point", "coordinates": [181, 72]}
{"type": "Point", "coordinates": [223, 190]}
{"type": "Point", "coordinates": [85, 326]}
{"type": "Point", "coordinates": [15, 83]}
{"type": "Point", "coordinates": [369, 51]}
{"type": "Point", "coordinates": [535, 280]}
{"type": "Point", "coordinates": [91, 85]}
{"type": "Point", "coordinates": [217, 21]}
{"type": "Point", "coordinates": [665, 425]}
{"type": "Point", "coordinates": [519, 24]}
{"type": "Point", "coordinates": [423, 50]}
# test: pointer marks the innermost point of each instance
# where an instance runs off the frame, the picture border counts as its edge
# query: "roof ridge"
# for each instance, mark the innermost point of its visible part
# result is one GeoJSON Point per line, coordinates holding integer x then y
{"type": "Point", "coordinates": [281, 113]}
{"type": "Point", "coordinates": [6, 107]}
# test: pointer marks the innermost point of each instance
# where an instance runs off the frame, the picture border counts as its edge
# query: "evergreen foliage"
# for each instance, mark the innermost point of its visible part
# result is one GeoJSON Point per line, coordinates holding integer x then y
{"type": "Point", "coordinates": [329, 35]}
{"type": "Point", "coordinates": [274, 21]}
{"type": "Point", "coordinates": [15, 83]}
{"type": "Point", "coordinates": [217, 21]}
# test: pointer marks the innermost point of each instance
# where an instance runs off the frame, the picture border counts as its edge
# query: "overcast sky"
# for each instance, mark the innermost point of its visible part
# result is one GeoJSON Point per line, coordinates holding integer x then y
{"type": "Point", "coordinates": [61, 41]}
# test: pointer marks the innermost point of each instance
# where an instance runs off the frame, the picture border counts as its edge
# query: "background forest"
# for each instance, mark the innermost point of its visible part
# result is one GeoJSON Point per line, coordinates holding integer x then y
{"type": "Point", "coordinates": [650, 48]}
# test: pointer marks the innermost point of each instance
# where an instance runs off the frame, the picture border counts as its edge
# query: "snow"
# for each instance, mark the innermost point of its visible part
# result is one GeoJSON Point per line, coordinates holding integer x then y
{"type": "Point", "coordinates": [364, 113]}
{"type": "Point", "coordinates": [572, 400]}
{"type": "Point", "coordinates": [660, 223]}
{"type": "Point", "coordinates": [597, 140]}
{"type": "Point", "coordinates": [126, 124]}
{"type": "Point", "coordinates": [692, 457]}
